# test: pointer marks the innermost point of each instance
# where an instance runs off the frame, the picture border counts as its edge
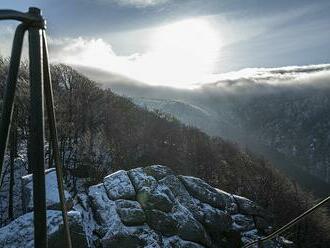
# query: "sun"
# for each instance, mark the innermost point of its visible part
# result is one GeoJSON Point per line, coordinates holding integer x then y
{"type": "Point", "coordinates": [185, 51]}
{"type": "Point", "coordinates": [193, 36]}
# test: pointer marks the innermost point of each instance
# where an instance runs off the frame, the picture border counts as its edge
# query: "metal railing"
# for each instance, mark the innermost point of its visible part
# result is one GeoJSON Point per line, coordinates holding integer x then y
{"type": "Point", "coordinates": [40, 91]}
{"type": "Point", "coordinates": [260, 241]}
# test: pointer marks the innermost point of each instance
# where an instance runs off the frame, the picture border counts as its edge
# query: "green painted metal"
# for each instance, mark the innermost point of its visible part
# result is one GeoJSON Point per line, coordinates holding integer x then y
{"type": "Point", "coordinates": [27, 18]}
{"type": "Point", "coordinates": [36, 148]}
{"type": "Point", "coordinates": [40, 84]}
{"type": "Point", "coordinates": [53, 136]}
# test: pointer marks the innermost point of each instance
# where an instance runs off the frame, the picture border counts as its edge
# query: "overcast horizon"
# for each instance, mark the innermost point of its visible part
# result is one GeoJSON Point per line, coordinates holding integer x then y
{"type": "Point", "coordinates": [180, 43]}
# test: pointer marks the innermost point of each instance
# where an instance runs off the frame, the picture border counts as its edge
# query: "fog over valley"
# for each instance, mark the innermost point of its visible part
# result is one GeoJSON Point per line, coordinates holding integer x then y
{"type": "Point", "coordinates": [279, 113]}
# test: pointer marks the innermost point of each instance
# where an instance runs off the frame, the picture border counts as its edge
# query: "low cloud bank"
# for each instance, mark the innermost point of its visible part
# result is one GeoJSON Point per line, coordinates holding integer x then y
{"type": "Point", "coordinates": [246, 81]}
{"type": "Point", "coordinates": [262, 80]}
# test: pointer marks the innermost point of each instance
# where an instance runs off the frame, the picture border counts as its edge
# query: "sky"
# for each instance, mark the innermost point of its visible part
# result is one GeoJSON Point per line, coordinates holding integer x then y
{"type": "Point", "coordinates": [180, 43]}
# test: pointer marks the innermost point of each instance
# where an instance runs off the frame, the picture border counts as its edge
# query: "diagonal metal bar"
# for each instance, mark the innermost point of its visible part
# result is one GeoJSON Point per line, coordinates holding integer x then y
{"type": "Point", "coordinates": [9, 95]}
{"type": "Point", "coordinates": [53, 137]}
{"type": "Point", "coordinates": [36, 148]}
{"type": "Point", "coordinates": [288, 225]}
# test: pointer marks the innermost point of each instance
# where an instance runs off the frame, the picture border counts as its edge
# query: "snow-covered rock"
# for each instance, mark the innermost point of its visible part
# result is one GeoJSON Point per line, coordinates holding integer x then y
{"type": "Point", "coordinates": [52, 197]}
{"type": "Point", "coordinates": [130, 212]}
{"type": "Point", "coordinates": [248, 207]}
{"type": "Point", "coordinates": [152, 207]}
{"type": "Point", "coordinates": [206, 193]}
{"type": "Point", "coordinates": [158, 171]}
{"type": "Point", "coordinates": [146, 207]}
{"type": "Point", "coordinates": [104, 209]}
{"type": "Point", "coordinates": [118, 186]}
{"type": "Point", "coordinates": [20, 232]}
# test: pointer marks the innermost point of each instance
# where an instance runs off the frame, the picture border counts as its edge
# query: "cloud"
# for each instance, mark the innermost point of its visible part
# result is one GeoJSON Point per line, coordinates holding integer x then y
{"type": "Point", "coordinates": [89, 52]}
{"type": "Point", "coordinates": [260, 81]}
{"type": "Point", "coordinates": [156, 68]}
{"type": "Point", "coordinates": [167, 61]}
{"type": "Point", "coordinates": [273, 76]}
{"type": "Point", "coordinates": [140, 3]}
{"type": "Point", "coordinates": [7, 35]}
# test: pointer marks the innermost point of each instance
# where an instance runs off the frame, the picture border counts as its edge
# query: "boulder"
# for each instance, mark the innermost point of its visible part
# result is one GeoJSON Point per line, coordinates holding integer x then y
{"type": "Point", "coordinates": [206, 193]}
{"type": "Point", "coordinates": [119, 186]}
{"type": "Point", "coordinates": [216, 221]}
{"type": "Point", "coordinates": [151, 194]}
{"type": "Point", "coordinates": [158, 197]}
{"type": "Point", "coordinates": [177, 242]}
{"type": "Point", "coordinates": [130, 212]}
{"type": "Point", "coordinates": [162, 222]}
{"type": "Point", "coordinates": [248, 207]}
{"type": "Point", "coordinates": [243, 223]}
{"type": "Point", "coordinates": [20, 232]}
{"type": "Point", "coordinates": [188, 228]}
{"type": "Point", "coordinates": [182, 195]}
{"type": "Point", "coordinates": [158, 171]}
{"type": "Point", "coordinates": [131, 237]}
{"type": "Point", "coordinates": [231, 207]}
{"type": "Point", "coordinates": [52, 197]}
{"type": "Point", "coordinates": [104, 209]}
{"type": "Point", "coordinates": [140, 179]}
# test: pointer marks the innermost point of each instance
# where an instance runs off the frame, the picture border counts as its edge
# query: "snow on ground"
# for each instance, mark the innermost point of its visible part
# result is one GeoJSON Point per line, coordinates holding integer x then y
{"type": "Point", "coordinates": [20, 232]}
{"type": "Point", "coordinates": [52, 196]}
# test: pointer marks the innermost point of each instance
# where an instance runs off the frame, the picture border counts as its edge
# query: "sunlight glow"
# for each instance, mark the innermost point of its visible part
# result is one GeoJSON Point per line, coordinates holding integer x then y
{"type": "Point", "coordinates": [180, 54]}
{"type": "Point", "coordinates": [184, 52]}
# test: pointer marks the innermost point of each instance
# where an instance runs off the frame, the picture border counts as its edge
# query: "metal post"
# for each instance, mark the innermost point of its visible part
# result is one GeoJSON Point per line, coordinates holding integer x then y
{"type": "Point", "coordinates": [9, 95]}
{"type": "Point", "coordinates": [37, 133]}
{"type": "Point", "coordinates": [39, 71]}
{"type": "Point", "coordinates": [53, 137]}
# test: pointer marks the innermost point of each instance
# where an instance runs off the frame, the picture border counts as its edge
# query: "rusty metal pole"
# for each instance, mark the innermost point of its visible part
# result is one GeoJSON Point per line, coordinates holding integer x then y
{"type": "Point", "coordinates": [37, 133]}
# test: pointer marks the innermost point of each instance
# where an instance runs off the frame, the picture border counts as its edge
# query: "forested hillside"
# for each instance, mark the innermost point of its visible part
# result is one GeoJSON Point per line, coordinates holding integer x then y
{"type": "Point", "coordinates": [100, 132]}
{"type": "Point", "coordinates": [281, 113]}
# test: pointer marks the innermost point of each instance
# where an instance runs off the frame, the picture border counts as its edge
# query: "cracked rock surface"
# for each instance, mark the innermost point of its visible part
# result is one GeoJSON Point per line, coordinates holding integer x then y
{"type": "Point", "coordinates": [153, 207]}
{"type": "Point", "coordinates": [145, 207]}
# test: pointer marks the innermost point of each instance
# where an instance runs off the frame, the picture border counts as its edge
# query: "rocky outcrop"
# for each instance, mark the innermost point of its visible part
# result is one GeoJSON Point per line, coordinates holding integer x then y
{"type": "Point", "coordinates": [152, 207]}
{"type": "Point", "coordinates": [145, 207]}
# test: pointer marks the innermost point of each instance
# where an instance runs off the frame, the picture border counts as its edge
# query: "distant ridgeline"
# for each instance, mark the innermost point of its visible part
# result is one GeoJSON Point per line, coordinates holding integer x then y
{"type": "Point", "coordinates": [288, 125]}
{"type": "Point", "coordinates": [101, 132]}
